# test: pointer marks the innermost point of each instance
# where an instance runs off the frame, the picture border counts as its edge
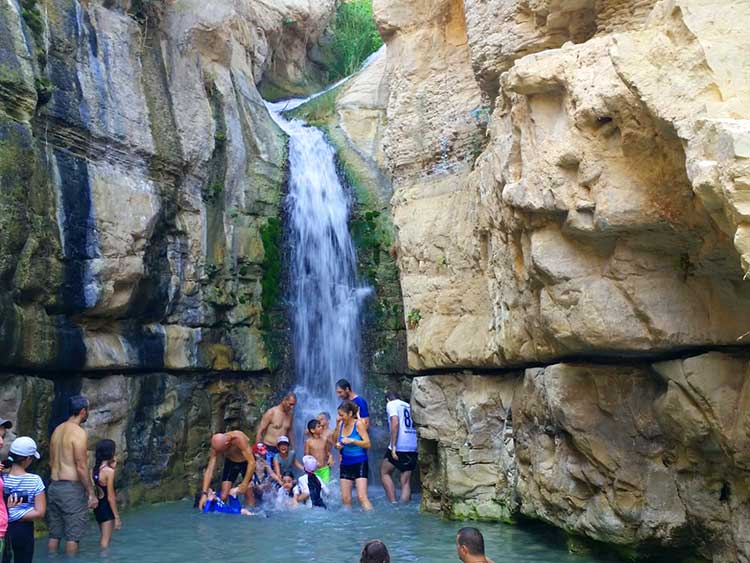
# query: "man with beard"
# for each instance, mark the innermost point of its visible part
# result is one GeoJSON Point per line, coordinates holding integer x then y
{"type": "Point", "coordinates": [70, 494]}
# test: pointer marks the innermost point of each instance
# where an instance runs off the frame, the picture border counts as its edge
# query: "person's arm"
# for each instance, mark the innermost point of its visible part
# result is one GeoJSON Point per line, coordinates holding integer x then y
{"type": "Point", "coordinates": [364, 414]}
{"type": "Point", "coordinates": [39, 510]}
{"type": "Point", "coordinates": [80, 457]}
{"type": "Point", "coordinates": [207, 474]}
{"type": "Point", "coordinates": [394, 436]}
{"type": "Point", "coordinates": [298, 465]}
{"type": "Point", "coordinates": [264, 422]}
{"type": "Point", "coordinates": [112, 497]}
{"type": "Point", "coordinates": [363, 443]}
{"type": "Point", "coordinates": [247, 453]}
{"type": "Point", "coordinates": [290, 434]}
{"type": "Point", "coordinates": [276, 465]}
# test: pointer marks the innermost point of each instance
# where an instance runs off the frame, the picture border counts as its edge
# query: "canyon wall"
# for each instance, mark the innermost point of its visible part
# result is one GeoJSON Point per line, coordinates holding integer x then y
{"type": "Point", "coordinates": [570, 204]}
{"type": "Point", "coordinates": [140, 218]}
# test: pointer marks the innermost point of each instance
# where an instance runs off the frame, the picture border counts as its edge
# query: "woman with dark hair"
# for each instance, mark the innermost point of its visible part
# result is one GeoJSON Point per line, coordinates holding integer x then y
{"type": "Point", "coordinates": [375, 551]}
{"type": "Point", "coordinates": [353, 443]}
{"type": "Point", "coordinates": [27, 501]}
{"type": "Point", "coordinates": [104, 479]}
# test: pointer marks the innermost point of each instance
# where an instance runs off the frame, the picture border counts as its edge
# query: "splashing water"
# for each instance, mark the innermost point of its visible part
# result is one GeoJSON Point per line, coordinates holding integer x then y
{"type": "Point", "coordinates": [326, 298]}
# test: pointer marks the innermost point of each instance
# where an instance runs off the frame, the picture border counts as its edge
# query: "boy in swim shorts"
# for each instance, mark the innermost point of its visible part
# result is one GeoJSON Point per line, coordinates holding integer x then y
{"type": "Point", "coordinates": [320, 448]}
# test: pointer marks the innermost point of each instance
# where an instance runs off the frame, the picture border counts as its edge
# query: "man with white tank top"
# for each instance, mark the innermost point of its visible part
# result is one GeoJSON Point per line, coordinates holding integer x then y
{"type": "Point", "coordinates": [402, 449]}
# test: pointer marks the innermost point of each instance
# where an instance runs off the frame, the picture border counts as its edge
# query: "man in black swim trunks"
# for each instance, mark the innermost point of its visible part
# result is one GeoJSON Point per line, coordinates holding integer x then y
{"type": "Point", "coordinates": [238, 459]}
{"type": "Point", "coordinates": [402, 450]}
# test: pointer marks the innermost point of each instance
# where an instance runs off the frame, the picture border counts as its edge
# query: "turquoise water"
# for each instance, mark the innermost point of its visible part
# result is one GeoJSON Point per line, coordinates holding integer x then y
{"type": "Point", "coordinates": [175, 532]}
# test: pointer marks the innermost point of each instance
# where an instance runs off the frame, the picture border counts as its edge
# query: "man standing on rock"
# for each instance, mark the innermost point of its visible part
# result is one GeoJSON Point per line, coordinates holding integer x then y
{"type": "Point", "coordinates": [238, 459]}
{"type": "Point", "coordinates": [345, 393]}
{"type": "Point", "coordinates": [70, 494]}
{"type": "Point", "coordinates": [277, 422]}
{"type": "Point", "coordinates": [402, 449]}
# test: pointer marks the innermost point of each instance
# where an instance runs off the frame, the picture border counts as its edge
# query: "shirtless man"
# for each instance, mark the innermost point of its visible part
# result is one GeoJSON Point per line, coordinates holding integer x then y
{"type": "Point", "coordinates": [70, 494]}
{"type": "Point", "coordinates": [277, 422]}
{"type": "Point", "coordinates": [238, 458]}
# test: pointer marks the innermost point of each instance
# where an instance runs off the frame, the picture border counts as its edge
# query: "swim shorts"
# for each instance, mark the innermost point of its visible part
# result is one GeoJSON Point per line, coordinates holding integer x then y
{"type": "Point", "coordinates": [233, 469]}
{"type": "Point", "coordinates": [355, 471]}
{"type": "Point", "coordinates": [273, 451]}
{"type": "Point", "coordinates": [324, 473]}
{"type": "Point", "coordinates": [407, 461]}
{"type": "Point", "coordinates": [67, 510]}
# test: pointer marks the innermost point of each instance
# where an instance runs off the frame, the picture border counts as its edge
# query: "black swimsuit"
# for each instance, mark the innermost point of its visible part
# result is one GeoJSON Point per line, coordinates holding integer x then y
{"type": "Point", "coordinates": [103, 511]}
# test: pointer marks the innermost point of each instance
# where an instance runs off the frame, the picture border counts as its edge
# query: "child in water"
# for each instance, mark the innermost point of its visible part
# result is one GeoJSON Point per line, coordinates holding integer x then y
{"type": "Point", "coordinates": [106, 512]}
{"type": "Point", "coordinates": [264, 477]}
{"type": "Point", "coordinates": [310, 489]}
{"type": "Point", "coordinates": [320, 448]}
{"type": "Point", "coordinates": [285, 494]}
{"type": "Point", "coordinates": [231, 506]}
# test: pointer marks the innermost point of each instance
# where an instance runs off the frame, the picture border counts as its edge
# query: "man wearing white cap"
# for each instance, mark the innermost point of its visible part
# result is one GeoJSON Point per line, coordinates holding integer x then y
{"type": "Point", "coordinates": [26, 501]}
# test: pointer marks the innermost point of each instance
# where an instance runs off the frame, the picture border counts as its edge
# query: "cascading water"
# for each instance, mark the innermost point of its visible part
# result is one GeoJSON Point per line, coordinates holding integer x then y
{"type": "Point", "coordinates": [326, 298]}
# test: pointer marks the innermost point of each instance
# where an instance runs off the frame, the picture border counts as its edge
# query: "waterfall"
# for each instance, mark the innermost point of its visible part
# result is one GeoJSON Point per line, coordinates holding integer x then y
{"type": "Point", "coordinates": [326, 298]}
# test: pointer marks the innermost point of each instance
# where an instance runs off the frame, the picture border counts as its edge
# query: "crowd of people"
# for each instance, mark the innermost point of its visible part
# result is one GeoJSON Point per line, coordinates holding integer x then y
{"type": "Point", "coordinates": [266, 470]}
{"type": "Point", "coordinates": [272, 473]}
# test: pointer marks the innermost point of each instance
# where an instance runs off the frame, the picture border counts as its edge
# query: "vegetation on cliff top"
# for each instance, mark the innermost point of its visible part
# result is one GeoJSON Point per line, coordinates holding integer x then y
{"type": "Point", "coordinates": [354, 37]}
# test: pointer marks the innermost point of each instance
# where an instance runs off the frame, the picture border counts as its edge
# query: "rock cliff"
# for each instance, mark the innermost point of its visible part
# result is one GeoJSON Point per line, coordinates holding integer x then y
{"type": "Point", "coordinates": [569, 187]}
{"type": "Point", "coordinates": [140, 217]}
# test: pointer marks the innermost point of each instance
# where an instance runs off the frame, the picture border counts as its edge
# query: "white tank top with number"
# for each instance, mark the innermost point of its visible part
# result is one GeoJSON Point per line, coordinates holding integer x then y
{"type": "Point", "coordinates": [407, 434]}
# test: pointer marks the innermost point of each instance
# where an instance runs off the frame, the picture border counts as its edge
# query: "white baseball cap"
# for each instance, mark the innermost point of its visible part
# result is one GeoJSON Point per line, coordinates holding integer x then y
{"type": "Point", "coordinates": [282, 440]}
{"type": "Point", "coordinates": [24, 446]}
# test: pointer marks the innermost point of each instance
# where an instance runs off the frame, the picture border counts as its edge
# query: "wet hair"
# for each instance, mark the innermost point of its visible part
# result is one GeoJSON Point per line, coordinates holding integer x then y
{"type": "Point", "coordinates": [392, 396]}
{"type": "Point", "coordinates": [290, 395]}
{"type": "Point", "coordinates": [312, 424]}
{"type": "Point", "coordinates": [344, 384]}
{"type": "Point", "coordinates": [327, 415]}
{"type": "Point", "coordinates": [375, 551]}
{"type": "Point", "coordinates": [76, 404]}
{"type": "Point", "coordinates": [472, 540]}
{"type": "Point", "coordinates": [105, 450]}
{"type": "Point", "coordinates": [349, 407]}
{"type": "Point", "coordinates": [287, 474]}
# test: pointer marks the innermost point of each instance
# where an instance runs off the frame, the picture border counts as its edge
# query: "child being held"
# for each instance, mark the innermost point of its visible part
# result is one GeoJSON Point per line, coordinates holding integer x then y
{"type": "Point", "coordinates": [231, 506]}
{"type": "Point", "coordinates": [264, 477]}
{"type": "Point", "coordinates": [320, 448]}
{"type": "Point", "coordinates": [310, 489]}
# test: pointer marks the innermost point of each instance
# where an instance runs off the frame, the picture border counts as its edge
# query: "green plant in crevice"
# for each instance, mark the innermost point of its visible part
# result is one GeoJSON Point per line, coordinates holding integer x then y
{"type": "Point", "coordinates": [212, 192]}
{"type": "Point", "coordinates": [354, 37]}
{"type": "Point", "coordinates": [33, 18]}
{"type": "Point", "coordinates": [44, 90]}
{"type": "Point", "coordinates": [413, 318]}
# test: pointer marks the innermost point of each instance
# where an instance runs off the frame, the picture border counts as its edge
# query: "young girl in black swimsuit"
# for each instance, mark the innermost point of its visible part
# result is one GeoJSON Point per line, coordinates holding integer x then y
{"type": "Point", "coordinates": [104, 478]}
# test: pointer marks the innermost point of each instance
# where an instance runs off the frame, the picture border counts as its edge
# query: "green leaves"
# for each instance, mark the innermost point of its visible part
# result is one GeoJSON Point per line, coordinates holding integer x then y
{"type": "Point", "coordinates": [355, 37]}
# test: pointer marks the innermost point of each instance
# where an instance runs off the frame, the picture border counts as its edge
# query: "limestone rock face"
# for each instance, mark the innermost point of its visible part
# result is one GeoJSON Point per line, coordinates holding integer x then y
{"type": "Point", "coordinates": [573, 187]}
{"type": "Point", "coordinates": [638, 456]}
{"type": "Point", "coordinates": [582, 207]}
{"type": "Point", "coordinates": [142, 179]}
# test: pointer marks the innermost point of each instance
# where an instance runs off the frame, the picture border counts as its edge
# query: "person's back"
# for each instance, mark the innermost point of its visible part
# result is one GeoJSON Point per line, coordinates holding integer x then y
{"type": "Point", "coordinates": [62, 447]}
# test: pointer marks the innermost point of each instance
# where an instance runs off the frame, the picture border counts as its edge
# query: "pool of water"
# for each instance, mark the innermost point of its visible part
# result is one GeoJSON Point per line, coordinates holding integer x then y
{"type": "Point", "coordinates": [174, 532]}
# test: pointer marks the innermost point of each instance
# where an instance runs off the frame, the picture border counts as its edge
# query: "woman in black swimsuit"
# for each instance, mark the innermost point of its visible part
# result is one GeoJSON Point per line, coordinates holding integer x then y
{"type": "Point", "coordinates": [104, 478]}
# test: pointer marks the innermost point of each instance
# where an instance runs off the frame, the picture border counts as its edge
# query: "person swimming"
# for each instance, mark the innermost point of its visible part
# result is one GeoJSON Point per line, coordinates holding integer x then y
{"type": "Point", "coordinates": [310, 489]}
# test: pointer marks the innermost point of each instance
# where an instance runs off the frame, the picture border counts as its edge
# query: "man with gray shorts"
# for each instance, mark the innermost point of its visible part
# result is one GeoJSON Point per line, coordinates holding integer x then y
{"type": "Point", "coordinates": [70, 494]}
